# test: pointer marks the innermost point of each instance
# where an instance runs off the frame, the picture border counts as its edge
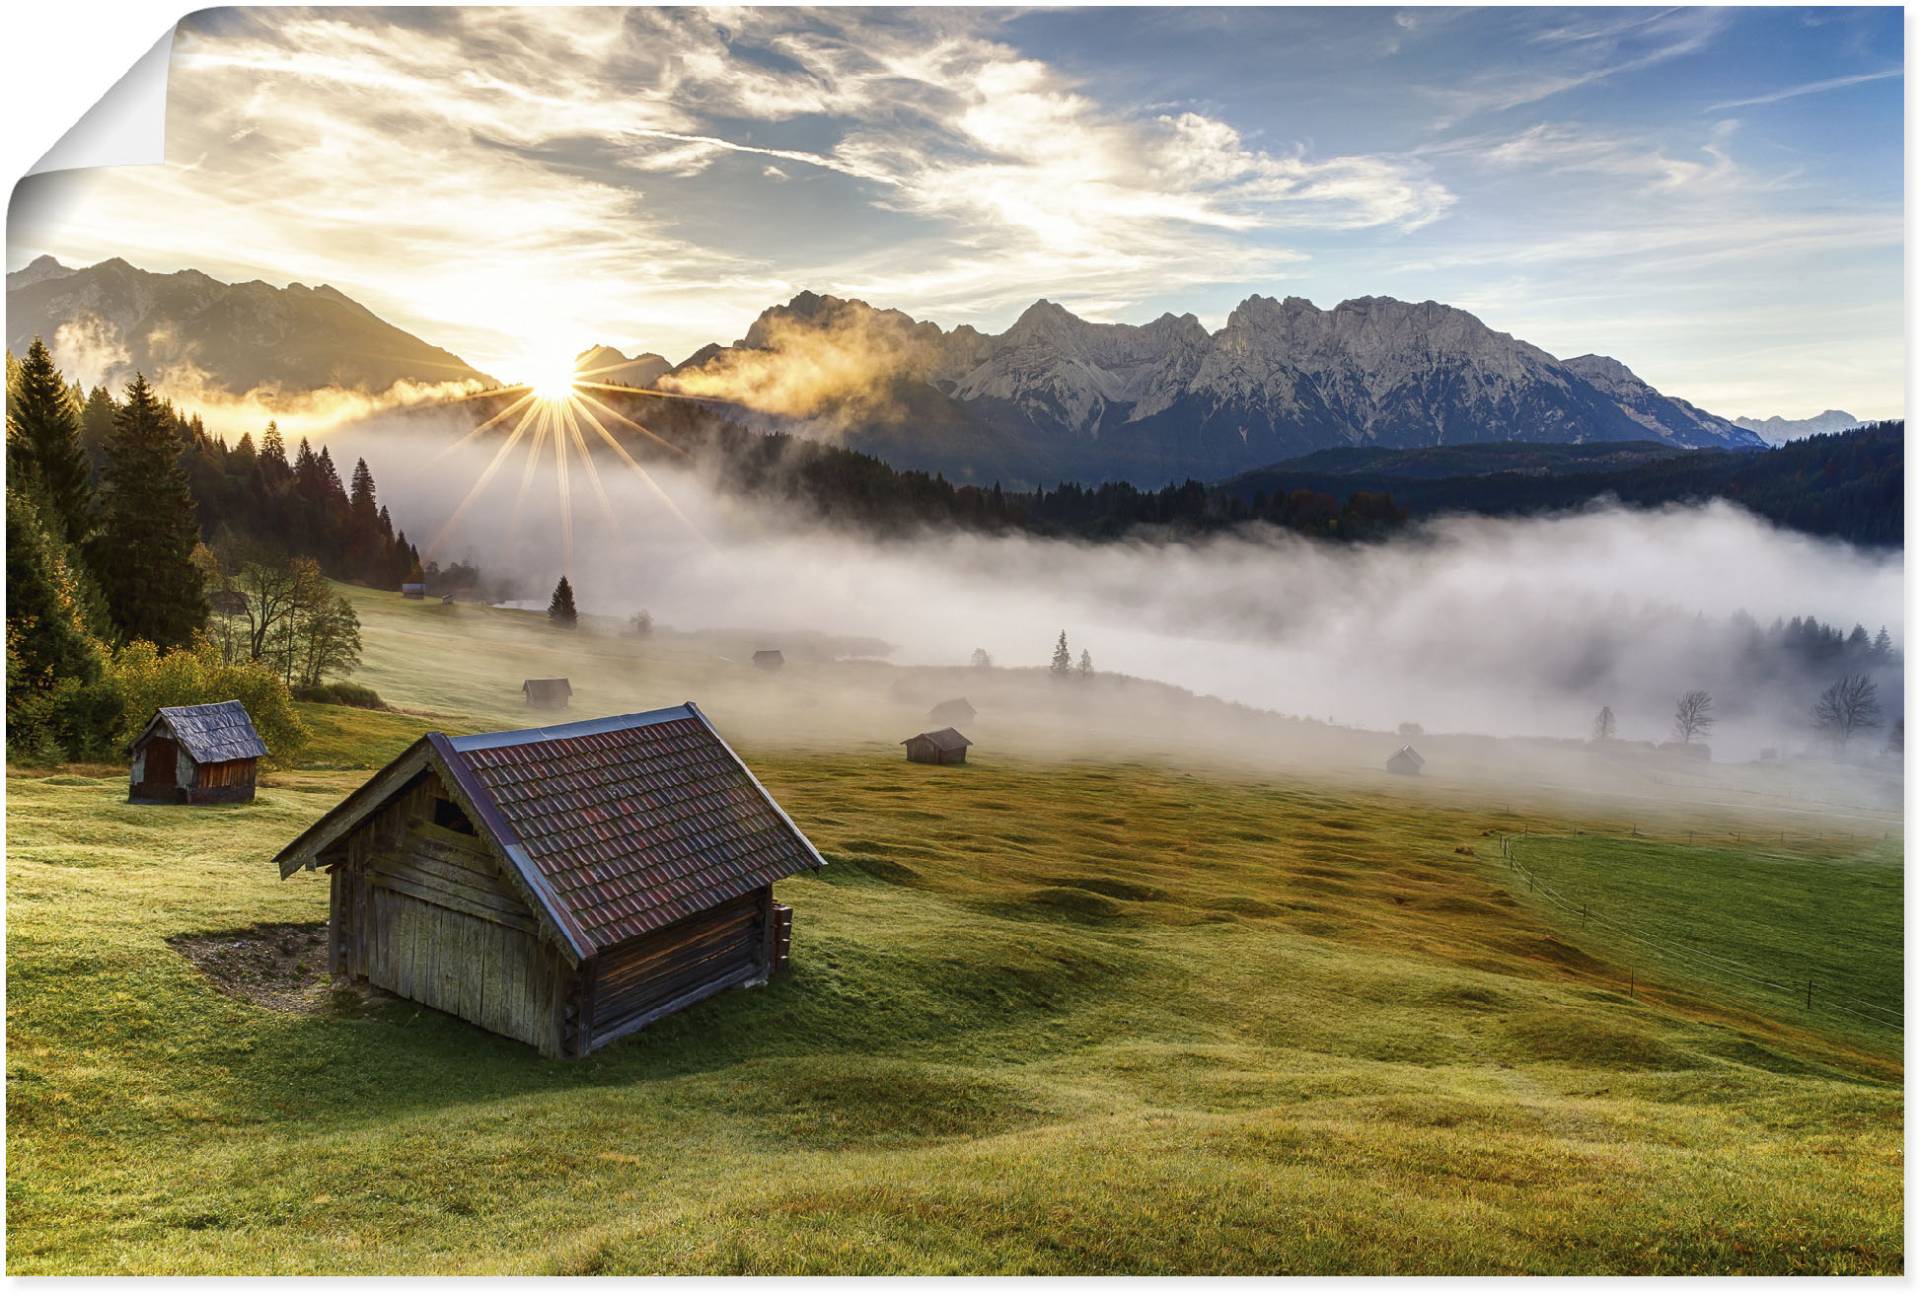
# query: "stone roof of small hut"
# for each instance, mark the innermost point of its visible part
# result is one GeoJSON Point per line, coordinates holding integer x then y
{"type": "Point", "coordinates": [210, 734]}
{"type": "Point", "coordinates": [1410, 754]}
{"type": "Point", "coordinates": [946, 739]}
{"type": "Point", "coordinates": [618, 826]}
{"type": "Point", "coordinates": [547, 687]}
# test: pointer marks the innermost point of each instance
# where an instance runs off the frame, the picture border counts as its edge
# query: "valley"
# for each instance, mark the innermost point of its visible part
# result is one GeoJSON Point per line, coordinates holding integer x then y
{"type": "Point", "coordinates": [1095, 987]}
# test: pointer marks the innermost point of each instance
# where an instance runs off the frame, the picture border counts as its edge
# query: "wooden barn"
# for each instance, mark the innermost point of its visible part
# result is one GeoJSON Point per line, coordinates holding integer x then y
{"type": "Point", "coordinates": [564, 886]}
{"type": "Point", "coordinates": [196, 754]}
{"type": "Point", "coordinates": [942, 747]}
{"type": "Point", "coordinates": [1406, 761]}
{"type": "Point", "coordinates": [769, 659]}
{"type": "Point", "coordinates": [547, 693]}
{"type": "Point", "coordinates": [414, 592]}
{"type": "Point", "coordinates": [951, 712]}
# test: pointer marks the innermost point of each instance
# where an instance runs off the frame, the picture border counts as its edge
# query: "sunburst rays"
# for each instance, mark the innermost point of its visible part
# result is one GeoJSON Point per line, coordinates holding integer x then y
{"type": "Point", "coordinates": [556, 409]}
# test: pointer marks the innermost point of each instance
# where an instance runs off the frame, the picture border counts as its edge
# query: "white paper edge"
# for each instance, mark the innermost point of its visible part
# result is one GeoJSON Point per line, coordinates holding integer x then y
{"type": "Point", "coordinates": [127, 127]}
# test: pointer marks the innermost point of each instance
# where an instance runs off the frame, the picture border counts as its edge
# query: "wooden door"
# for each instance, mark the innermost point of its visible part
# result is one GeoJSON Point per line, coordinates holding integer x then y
{"type": "Point", "coordinates": [163, 763]}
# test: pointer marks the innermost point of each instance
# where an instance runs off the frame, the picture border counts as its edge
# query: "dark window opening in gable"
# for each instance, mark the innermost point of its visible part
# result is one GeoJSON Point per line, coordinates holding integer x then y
{"type": "Point", "coordinates": [447, 814]}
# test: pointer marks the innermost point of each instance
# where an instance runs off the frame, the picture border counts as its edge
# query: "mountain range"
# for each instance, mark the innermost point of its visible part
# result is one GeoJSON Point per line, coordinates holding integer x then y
{"type": "Point", "coordinates": [192, 333]}
{"type": "Point", "coordinates": [1778, 431]}
{"type": "Point", "coordinates": [1056, 396]}
{"type": "Point", "coordinates": [1053, 397]}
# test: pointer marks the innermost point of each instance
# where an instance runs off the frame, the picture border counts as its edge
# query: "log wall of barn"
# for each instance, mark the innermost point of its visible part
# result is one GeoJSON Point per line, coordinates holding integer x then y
{"type": "Point", "coordinates": [421, 908]}
{"type": "Point", "coordinates": [633, 984]}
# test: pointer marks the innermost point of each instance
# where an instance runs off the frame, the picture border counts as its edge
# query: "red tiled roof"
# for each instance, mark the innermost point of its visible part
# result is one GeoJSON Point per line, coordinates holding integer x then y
{"type": "Point", "coordinates": [631, 822]}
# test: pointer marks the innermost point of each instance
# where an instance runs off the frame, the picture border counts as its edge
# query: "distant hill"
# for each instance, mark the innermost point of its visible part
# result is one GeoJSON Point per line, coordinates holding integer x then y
{"type": "Point", "coordinates": [606, 364]}
{"type": "Point", "coordinates": [1778, 431]}
{"type": "Point", "coordinates": [1847, 485]}
{"type": "Point", "coordinates": [215, 337]}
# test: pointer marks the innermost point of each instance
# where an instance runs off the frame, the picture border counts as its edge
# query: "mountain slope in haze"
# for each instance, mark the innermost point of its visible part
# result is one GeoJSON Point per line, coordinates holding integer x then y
{"type": "Point", "coordinates": [1056, 396]}
{"type": "Point", "coordinates": [1848, 485]}
{"type": "Point", "coordinates": [606, 364]}
{"type": "Point", "coordinates": [193, 332]}
{"type": "Point", "coordinates": [1778, 431]}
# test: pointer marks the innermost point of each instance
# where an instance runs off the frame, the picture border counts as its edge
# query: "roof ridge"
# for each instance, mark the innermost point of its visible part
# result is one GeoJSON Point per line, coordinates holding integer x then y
{"type": "Point", "coordinates": [578, 728]}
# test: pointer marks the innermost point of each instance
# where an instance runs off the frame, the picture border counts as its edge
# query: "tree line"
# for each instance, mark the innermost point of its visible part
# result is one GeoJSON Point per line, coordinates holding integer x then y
{"type": "Point", "coordinates": [133, 533]}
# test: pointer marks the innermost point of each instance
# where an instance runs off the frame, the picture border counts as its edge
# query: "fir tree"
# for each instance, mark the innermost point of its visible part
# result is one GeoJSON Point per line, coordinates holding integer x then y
{"type": "Point", "coordinates": [1603, 724]}
{"type": "Point", "coordinates": [561, 610]}
{"type": "Point", "coordinates": [43, 443]}
{"type": "Point", "coordinates": [1086, 664]}
{"type": "Point", "coordinates": [273, 454]}
{"type": "Point", "coordinates": [146, 542]}
{"type": "Point", "coordinates": [1062, 658]}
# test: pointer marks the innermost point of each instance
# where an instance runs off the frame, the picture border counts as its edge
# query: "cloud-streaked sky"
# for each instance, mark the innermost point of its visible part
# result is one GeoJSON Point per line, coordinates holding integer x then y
{"type": "Point", "coordinates": [1712, 196]}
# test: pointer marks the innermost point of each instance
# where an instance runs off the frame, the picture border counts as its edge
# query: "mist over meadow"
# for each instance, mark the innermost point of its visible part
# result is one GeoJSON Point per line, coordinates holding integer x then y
{"type": "Point", "coordinates": [1495, 626]}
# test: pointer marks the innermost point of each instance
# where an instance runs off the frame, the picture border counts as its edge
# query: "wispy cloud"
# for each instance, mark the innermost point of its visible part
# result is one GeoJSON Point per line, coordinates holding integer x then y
{"type": "Point", "coordinates": [1810, 87]}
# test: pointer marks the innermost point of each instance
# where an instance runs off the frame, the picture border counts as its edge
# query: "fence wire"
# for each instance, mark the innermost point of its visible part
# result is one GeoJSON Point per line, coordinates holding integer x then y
{"type": "Point", "coordinates": [1847, 1004]}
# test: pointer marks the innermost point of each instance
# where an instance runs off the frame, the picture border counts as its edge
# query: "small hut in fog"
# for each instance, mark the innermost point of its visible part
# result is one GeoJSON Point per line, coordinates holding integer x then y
{"type": "Point", "coordinates": [768, 659]}
{"type": "Point", "coordinates": [195, 754]}
{"type": "Point", "coordinates": [227, 602]}
{"type": "Point", "coordinates": [943, 747]}
{"type": "Point", "coordinates": [1406, 761]}
{"type": "Point", "coordinates": [547, 693]}
{"type": "Point", "coordinates": [416, 592]}
{"type": "Point", "coordinates": [952, 712]}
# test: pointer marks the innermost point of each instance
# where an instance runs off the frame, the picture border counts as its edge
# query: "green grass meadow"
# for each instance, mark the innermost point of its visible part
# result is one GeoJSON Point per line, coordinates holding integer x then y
{"type": "Point", "coordinates": [1091, 1016]}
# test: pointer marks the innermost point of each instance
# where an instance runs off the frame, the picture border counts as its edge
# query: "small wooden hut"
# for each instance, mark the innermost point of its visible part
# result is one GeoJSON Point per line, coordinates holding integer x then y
{"type": "Point", "coordinates": [942, 747]}
{"type": "Point", "coordinates": [1406, 761]}
{"type": "Point", "coordinates": [547, 693]}
{"type": "Point", "coordinates": [768, 659]}
{"type": "Point", "coordinates": [195, 754]}
{"type": "Point", "coordinates": [227, 602]}
{"type": "Point", "coordinates": [564, 886]}
{"type": "Point", "coordinates": [414, 592]}
{"type": "Point", "coordinates": [951, 712]}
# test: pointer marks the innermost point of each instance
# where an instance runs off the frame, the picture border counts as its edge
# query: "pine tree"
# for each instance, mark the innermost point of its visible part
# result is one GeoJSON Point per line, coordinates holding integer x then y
{"type": "Point", "coordinates": [1603, 725]}
{"type": "Point", "coordinates": [43, 443]}
{"type": "Point", "coordinates": [1062, 658]}
{"type": "Point", "coordinates": [1086, 664]}
{"type": "Point", "coordinates": [561, 610]}
{"type": "Point", "coordinates": [145, 551]}
{"type": "Point", "coordinates": [273, 454]}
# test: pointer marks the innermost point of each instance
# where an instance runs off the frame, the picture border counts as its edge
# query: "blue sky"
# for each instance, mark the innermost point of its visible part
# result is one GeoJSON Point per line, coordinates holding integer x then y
{"type": "Point", "coordinates": [1714, 197]}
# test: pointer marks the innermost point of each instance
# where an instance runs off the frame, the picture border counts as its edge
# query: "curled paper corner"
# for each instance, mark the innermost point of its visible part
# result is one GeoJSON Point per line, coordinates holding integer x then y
{"type": "Point", "coordinates": [127, 127]}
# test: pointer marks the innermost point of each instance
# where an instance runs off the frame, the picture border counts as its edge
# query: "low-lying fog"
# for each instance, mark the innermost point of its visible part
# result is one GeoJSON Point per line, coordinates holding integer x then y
{"type": "Point", "coordinates": [1501, 627]}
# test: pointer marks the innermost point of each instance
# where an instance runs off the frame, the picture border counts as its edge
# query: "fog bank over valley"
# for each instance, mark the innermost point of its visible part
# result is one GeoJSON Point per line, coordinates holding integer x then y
{"type": "Point", "coordinates": [1467, 625]}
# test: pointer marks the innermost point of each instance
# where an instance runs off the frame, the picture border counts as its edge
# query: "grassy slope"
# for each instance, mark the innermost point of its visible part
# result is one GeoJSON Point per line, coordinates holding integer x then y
{"type": "Point", "coordinates": [1092, 1017]}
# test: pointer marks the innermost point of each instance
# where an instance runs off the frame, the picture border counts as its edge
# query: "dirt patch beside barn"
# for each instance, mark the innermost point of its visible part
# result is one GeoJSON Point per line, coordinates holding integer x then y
{"type": "Point", "coordinates": [280, 966]}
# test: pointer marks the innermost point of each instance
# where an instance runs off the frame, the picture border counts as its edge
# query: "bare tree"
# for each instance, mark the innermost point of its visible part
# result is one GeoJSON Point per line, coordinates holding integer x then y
{"type": "Point", "coordinates": [1850, 706]}
{"type": "Point", "coordinates": [1693, 715]}
{"type": "Point", "coordinates": [1603, 725]}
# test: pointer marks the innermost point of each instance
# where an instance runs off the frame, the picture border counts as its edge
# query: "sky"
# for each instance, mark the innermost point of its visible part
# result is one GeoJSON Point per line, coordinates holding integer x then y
{"type": "Point", "coordinates": [1712, 196]}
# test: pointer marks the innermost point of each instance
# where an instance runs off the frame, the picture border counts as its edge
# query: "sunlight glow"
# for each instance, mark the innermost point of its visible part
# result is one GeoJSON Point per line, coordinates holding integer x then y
{"type": "Point", "coordinates": [551, 379]}
{"type": "Point", "coordinates": [555, 405]}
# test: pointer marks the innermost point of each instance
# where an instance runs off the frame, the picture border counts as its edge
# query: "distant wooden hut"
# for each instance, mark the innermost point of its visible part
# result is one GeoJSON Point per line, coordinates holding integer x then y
{"type": "Point", "coordinates": [564, 886]}
{"type": "Point", "coordinates": [1406, 761]}
{"type": "Point", "coordinates": [951, 712]}
{"type": "Point", "coordinates": [769, 659]}
{"type": "Point", "coordinates": [415, 592]}
{"type": "Point", "coordinates": [547, 693]}
{"type": "Point", "coordinates": [195, 754]}
{"type": "Point", "coordinates": [942, 747]}
{"type": "Point", "coordinates": [227, 602]}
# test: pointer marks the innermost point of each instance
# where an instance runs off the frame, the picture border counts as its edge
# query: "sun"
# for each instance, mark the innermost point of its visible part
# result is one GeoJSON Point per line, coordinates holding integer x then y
{"type": "Point", "coordinates": [551, 379]}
